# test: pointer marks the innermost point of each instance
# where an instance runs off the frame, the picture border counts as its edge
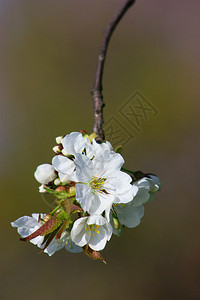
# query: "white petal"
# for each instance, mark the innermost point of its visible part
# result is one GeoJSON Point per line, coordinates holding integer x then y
{"type": "Point", "coordinates": [155, 183]}
{"type": "Point", "coordinates": [68, 244]}
{"type": "Point", "coordinates": [63, 177]}
{"type": "Point", "coordinates": [95, 219]}
{"type": "Point", "coordinates": [122, 182]}
{"type": "Point", "coordinates": [37, 241]}
{"type": "Point", "coordinates": [107, 146]}
{"type": "Point", "coordinates": [26, 231]}
{"type": "Point", "coordinates": [36, 216]}
{"type": "Point", "coordinates": [124, 191]}
{"type": "Point", "coordinates": [73, 142]}
{"type": "Point", "coordinates": [129, 216]}
{"type": "Point", "coordinates": [143, 183]}
{"type": "Point", "coordinates": [141, 197]}
{"type": "Point", "coordinates": [103, 201]}
{"type": "Point", "coordinates": [94, 204]}
{"type": "Point", "coordinates": [114, 162]}
{"type": "Point", "coordinates": [107, 212]}
{"type": "Point", "coordinates": [83, 195]}
{"type": "Point", "coordinates": [99, 149]}
{"type": "Point", "coordinates": [98, 240]}
{"type": "Point", "coordinates": [72, 247]}
{"type": "Point", "coordinates": [52, 248]}
{"type": "Point", "coordinates": [109, 230]}
{"type": "Point", "coordinates": [78, 225]}
{"type": "Point", "coordinates": [109, 162]}
{"type": "Point", "coordinates": [64, 165]}
{"type": "Point", "coordinates": [25, 221]}
{"type": "Point", "coordinates": [84, 168]}
{"type": "Point", "coordinates": [78, 233]}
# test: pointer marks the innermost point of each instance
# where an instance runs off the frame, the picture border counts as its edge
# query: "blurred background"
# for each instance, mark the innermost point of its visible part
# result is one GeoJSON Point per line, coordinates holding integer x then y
{"type": "Point", "coordinates": [48, 58]}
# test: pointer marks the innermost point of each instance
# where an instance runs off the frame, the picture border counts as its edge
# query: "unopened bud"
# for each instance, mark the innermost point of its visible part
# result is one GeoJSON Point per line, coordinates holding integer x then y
{"type": "Point", "coordinates": [56, 149]}
{"type": "Point", "coordinates": [57, 181]}
{"type": "Point", "coordinates": [42, 189]}
{"type": "Point", "coordinates": [47, 217]}
{"type": "Point", "coordinates": [45, 173]}
{"type": "Point", "coordinates": [60, 189]}
{"type": "Point", "coordinates": [59, 139]}
{"type": "Point", "coordinates": [72, 189]}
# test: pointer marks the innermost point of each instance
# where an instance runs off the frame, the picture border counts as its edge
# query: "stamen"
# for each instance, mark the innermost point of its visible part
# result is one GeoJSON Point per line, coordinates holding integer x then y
{"type": "Point", "coordinates": [97, 184]}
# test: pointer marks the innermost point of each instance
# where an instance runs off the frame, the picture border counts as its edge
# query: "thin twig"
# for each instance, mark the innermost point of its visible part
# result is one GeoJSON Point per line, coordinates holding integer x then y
{"type": "Point", "coordinates": [97, 96]}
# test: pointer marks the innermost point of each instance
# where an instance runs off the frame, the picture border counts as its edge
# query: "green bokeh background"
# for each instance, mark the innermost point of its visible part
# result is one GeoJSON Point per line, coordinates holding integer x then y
{"type": "Point", "coordinates": [48, 59]}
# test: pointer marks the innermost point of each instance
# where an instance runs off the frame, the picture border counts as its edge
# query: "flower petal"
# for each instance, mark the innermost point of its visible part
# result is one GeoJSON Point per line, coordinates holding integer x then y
{"type": "Point", "coordinates": [98, 240]}
{"type": "Point", "coordinates": [83, 195]}
{"type": "Point", "coordinates": [95, 219]}
{"type": "Point", "coordinates": [155, 183]}
{"type": "Point", "coordinates": [64, 165]}
{"type": "Point", "coordinates": [74, 143]}
{"type": "Point", "coordinates": [25, 221]}
{"type": "Point", "coordinates": [129, 216]}
{"type": "Point", "coordinates": [53, 247]}
{"type": "Point", "coordinates": [78, 233]}
{"type": "Point", "coordinates": [72, 247]}
{"type": "Point", "coordinates": [84, 168]}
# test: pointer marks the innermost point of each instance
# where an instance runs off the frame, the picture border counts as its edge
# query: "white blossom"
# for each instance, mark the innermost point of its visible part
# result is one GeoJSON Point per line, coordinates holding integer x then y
{"type": "Point", "coordinates": [101, 183]}
{"type": "Point", "coordinates": [93, 230]}
{"type": "Point", "coordinates": [130, 214]}
{"type": "Point", "coordinates": [27, 225]}
{"type": "Point", "coordinates": [73, 143]}
{"type": "Point", "coordinates": [96, 170]}
{"type": "Point", "coordinates": [45, 173]}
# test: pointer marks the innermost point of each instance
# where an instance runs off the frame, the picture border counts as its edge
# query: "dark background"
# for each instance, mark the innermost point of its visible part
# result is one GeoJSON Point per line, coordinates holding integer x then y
{"type": "Point", "coordinates": [48, 59]}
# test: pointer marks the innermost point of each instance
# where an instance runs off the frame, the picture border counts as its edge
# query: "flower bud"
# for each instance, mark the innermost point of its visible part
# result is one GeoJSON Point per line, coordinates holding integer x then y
{"type": "Point", "coordinates": [72, 189]}
{"type": "Point", "coordinates": [59, 139]}
{"type": "Point", "coordinates": [60, 189]}
{"type": "Point", "coordinates": [45, 173]}
{"type": "Point", "coordinates": [42, 189]}
{"type": "Point", "coordinates": [47, 217]}
{"type": "Point", "coordinates": [57, 181]}
{"type": "Point", "coordinates": [56, 149]}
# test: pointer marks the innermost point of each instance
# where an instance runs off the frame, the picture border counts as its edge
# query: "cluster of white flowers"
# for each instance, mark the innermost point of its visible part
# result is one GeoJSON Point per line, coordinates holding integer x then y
{"type": "Point", "coordinates": [95, 197]}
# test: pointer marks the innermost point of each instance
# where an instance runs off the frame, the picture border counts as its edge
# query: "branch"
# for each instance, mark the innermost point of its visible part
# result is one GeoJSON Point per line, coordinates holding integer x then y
{"type": "Point", "coordinates": [97, 96]}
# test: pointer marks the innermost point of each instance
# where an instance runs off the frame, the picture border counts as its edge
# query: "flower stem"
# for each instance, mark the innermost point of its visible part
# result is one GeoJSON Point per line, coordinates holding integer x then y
{"type": "Point", "coordinates": [128, 171]}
